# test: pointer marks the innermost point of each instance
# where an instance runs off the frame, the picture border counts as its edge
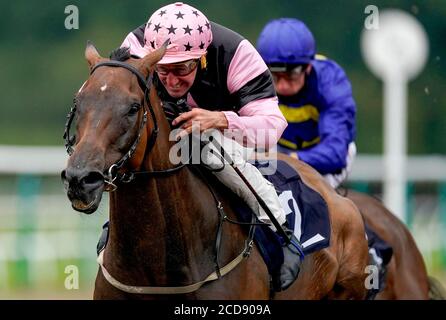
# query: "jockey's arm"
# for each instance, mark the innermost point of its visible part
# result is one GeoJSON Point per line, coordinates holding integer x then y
{"type": "Point", "coordinates": [259, 118]}
{"type": "Point", "coordinates": [329, 156]}
{"type": "Point", "coordinates": [260, 122]}
{"type": "Point", "coordinates": [336, 125]}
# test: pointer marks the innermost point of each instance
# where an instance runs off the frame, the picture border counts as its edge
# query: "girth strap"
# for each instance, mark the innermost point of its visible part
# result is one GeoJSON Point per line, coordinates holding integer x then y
{"type": "Point", "coordinates": [167, 290]}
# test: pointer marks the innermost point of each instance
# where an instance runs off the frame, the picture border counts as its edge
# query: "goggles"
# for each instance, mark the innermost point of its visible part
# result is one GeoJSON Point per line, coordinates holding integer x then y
{"type": "Point", "coordinates": [178, 69]}
{"type": "Point", "coordinates": [289, 73]}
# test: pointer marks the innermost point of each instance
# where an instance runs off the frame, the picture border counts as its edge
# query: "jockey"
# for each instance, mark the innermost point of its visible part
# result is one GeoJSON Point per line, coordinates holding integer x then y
{"type": "Point", "coordinates": [315, 96]}
{"type": "Point", "coordinates": [224, 80]}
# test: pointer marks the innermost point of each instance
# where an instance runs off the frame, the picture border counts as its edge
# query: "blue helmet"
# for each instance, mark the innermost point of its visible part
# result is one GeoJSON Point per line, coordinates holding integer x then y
{"type": "Point", "coordinates": [286, 42]}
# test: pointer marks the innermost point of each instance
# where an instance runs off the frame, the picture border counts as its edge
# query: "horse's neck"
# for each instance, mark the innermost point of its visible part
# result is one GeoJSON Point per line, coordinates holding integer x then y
{"type": "Point", "coordinates": [158, 224]}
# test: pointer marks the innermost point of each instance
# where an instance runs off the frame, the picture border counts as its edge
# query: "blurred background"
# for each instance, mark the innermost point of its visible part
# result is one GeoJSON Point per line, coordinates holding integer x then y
{"type": "Point", "coordinates": [43, 65]}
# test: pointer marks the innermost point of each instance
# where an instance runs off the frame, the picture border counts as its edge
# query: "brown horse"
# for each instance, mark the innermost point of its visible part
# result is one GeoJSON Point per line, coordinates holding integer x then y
{"type": "Point", "coordinates": [164, 225]}
{"type": "Point", "coordinates": [406, 275]}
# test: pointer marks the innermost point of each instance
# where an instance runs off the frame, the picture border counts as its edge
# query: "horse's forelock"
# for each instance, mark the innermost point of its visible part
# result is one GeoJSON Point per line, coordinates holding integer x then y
{"type": "Point", "coordinates": [121, 54]}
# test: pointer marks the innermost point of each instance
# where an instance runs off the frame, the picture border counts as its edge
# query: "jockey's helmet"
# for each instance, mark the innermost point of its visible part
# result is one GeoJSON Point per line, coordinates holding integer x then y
{"type": "Point", "coordinates": [286, 43]}
{"type": "Point", "coordinates": [187, 29]}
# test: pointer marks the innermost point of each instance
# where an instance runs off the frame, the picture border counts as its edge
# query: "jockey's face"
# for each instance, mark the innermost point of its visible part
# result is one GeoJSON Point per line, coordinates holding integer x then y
{"type": "Point", "coordinates": [290, 83]}
{"type": "Point", "coordinates": [177, 78]}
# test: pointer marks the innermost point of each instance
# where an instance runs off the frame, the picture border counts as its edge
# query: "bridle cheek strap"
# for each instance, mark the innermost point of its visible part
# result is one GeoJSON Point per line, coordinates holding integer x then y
{"type": "Point", "coordinates": [112, 172]}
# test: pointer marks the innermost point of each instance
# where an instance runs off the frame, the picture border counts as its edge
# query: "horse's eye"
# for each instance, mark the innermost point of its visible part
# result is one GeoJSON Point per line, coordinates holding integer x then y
{"type": "Point", "coordinates": [134, 108]}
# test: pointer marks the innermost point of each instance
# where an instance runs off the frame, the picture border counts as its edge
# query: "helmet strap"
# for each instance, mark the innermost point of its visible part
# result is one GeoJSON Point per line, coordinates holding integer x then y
{"type": "Point", "coordinates": [203, 62]}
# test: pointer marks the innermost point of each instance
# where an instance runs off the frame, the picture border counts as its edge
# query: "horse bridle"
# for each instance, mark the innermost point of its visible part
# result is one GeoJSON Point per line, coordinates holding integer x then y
{"type": "Point", "coordinates": [111, 174]}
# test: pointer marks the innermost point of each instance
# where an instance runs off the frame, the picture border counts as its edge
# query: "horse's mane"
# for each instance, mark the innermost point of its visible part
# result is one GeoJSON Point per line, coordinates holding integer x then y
{"type": "Point", "coordinates": [121, 54]}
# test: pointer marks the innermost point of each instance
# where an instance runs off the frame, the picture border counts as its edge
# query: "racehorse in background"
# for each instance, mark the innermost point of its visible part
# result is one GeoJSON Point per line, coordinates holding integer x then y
{"type": "Point", "coordinates": [168, 234]}
{"type": "Point", "coordinates": [407, 277]}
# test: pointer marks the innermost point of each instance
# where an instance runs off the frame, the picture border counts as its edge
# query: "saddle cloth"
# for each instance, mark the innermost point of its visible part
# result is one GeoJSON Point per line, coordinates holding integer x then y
{"type": "Point", "coordinates": [380, 253]}
{"type": "Point", "coordinates": [306, 213]}
{"type": "Point", "coordinates": [380, 250]}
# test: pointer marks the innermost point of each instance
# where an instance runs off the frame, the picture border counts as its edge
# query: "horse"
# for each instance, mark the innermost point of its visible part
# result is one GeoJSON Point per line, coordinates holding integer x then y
{"type": "Point", "coordinates": [407, 278]}
{"type": "Point", "coordinates": [168, 235]}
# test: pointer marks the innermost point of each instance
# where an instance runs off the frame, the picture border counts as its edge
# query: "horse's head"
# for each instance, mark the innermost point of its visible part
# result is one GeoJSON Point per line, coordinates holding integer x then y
{"type": "Point", "coordinates": [111, 111]}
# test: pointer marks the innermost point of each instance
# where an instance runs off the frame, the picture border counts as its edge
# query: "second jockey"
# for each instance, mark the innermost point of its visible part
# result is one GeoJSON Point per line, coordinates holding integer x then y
{"type": "Point", "coordinates": [315, 96]}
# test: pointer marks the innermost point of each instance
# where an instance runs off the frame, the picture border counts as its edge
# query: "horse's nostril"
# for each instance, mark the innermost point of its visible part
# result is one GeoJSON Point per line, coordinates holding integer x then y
{"type": "Point", "coordinates": [63, 175]}
{"type": "Point", "coordinates": [65, 179]}
{"type": "Point", "coordinates": [93, 178]}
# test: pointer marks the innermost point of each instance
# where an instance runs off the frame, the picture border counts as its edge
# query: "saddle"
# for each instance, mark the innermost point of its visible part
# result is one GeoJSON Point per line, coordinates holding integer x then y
{"type": "Point", "coordinates": [306, 213]}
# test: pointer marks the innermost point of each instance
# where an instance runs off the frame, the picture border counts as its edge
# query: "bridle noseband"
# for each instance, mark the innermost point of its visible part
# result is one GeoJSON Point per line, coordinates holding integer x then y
{"type": "Point", "coordinates": [111, 174]}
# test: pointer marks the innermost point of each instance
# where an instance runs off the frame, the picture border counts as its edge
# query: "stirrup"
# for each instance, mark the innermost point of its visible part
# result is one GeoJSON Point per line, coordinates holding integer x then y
{"type": "Point", "coordinates": [293, 256]}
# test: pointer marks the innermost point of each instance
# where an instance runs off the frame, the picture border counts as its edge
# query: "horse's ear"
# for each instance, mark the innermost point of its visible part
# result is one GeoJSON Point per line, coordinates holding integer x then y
{"type": "Point", "coordinates": [91, 54]}
{"type": "Point", "coordinates": [149, 61]}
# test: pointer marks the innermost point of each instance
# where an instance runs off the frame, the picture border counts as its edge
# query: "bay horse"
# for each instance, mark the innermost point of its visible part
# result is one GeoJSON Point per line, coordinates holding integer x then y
{"type": "Point", "coordinates": [407, 278]}
{"type": "Point", "coordinates": [165, 219]}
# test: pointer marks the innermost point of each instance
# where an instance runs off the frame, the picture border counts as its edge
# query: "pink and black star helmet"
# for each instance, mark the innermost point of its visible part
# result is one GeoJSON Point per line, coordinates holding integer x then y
{"type": "Point", "coordinates": [188, 30]}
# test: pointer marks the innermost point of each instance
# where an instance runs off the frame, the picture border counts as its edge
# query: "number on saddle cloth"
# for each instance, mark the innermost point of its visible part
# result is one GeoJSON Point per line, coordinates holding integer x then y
{"type": "Point", "coordinates": [306, 211]}
{"type": "Point", "coordinates": [307, 215]}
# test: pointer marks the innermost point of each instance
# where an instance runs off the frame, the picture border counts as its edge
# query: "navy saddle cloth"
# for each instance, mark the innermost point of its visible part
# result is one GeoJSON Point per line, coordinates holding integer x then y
{"type": "Point", "coordinates": [380, 250]}
{"type": "Point", "coordinates": [380, 253]}
{"type": "Point", "coordinates": [307, 214]}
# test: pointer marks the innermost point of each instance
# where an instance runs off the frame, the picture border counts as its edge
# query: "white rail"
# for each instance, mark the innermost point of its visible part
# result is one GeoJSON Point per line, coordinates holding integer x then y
{"type": "Point", "coordinates": [51, 160]}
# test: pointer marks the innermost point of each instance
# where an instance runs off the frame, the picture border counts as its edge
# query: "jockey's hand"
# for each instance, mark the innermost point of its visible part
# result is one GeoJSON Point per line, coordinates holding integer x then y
{"type": "Point", "coordinates": [204, 118]}
{"type": "Point", "coordinates": [294, 155]}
